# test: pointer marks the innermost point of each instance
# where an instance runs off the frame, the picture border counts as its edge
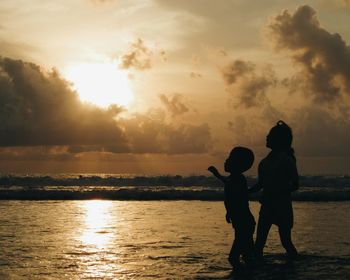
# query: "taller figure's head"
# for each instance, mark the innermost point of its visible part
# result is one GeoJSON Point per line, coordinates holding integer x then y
{"type": "Point", "coordinates": [280, 137]}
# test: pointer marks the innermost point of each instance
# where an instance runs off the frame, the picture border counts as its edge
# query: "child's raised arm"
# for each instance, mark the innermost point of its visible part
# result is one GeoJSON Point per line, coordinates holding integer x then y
{"type": "Point", "coordinates": [216, 173]}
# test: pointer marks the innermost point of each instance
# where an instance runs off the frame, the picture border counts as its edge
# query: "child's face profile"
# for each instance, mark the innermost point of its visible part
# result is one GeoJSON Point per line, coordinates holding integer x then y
{"type": "Point", "coordinates": [228, 164]}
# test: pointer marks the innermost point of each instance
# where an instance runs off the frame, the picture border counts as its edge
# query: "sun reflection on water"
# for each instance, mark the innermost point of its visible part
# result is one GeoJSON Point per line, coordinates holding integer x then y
{"type": "Point", "coordinates": [97, 231]}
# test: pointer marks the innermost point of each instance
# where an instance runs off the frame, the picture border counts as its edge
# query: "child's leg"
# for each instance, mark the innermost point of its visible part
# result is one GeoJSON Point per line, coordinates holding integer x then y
{"type": "Point", "coordinates": [248, 250]}
{"type": "Point", "coordinates": [235, 250]}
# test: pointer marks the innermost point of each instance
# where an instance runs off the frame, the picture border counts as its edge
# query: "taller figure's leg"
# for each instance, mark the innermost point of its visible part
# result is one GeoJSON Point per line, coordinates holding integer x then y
{"type": "Point", "coordinates": [286, 240]}
{"type": "Point", "coordinates": [264, 225]}
{"type": "Point", "coordinates": [233, 257]}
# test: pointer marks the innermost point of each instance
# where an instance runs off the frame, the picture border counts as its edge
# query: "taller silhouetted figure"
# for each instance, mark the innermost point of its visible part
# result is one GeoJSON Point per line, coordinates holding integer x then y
{"type": "Point", "coordinates": [278, 178]}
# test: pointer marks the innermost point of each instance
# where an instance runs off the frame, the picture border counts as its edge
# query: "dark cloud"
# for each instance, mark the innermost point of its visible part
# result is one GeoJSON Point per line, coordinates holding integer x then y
{"type": "Point", "coordinates": [249, 126]}
{"type": "Point", "coordinates": [244, 82]}
{"type": "Point", "coordinates": [321, 133]}
{"type": "Point", "coordinates": [237, 69]}
{"type": "Point", "coordinates": [148, 133]}
{"type": "Point", "coordinates": [174, 104]}
{"type": "Point", "coordinates": [138, 57]}
{"type": "Point", "coordinates": [324, 56]}
{"type": "Point", "coordinates": [36, 153]}
{"type": "Point", "coordinates": [318, 132]}
{"type": "Point", "coordinates": [293, 83]}
{"type": "Point", "coordinates": [39, 109]}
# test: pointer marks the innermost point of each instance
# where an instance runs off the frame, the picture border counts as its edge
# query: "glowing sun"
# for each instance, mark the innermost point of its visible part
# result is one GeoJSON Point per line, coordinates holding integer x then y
{"type": "Point", "coordinates": [102, 84]}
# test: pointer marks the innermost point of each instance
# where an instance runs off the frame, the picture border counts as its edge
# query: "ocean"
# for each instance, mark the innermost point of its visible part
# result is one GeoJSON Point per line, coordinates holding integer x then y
{"type": "Point", "coordinates": [165, 187]}
{"type": "Point", "coordinates": [165, 227]}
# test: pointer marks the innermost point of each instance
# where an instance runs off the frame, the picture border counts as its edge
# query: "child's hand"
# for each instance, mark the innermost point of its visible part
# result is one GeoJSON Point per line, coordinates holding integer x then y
{"type": "Point", "coordinates": [213, 169]}
{"type": "Point", "coordinates": [228, 218]}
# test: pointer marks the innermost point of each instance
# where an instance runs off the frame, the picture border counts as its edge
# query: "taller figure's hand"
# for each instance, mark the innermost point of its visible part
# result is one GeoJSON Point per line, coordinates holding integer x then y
{"type": "Point", "coordinates": [228, 218]}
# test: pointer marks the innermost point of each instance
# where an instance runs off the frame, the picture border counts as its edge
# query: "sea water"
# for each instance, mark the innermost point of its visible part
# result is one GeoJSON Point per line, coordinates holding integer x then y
{"type": "Point", "coordinates": [136, 187]}
{"type": "Point", "coordinates": [105, 239]}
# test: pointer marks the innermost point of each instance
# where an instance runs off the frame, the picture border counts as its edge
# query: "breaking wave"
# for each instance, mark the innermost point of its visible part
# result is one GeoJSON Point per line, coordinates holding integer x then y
{"type": "Point", "coordinates": [166, 187]}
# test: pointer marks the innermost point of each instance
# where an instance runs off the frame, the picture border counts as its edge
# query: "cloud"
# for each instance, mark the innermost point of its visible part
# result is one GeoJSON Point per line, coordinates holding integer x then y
{"type": "Point", "coordinates": [39, 109]}
{"type": "Point", "coordinates": [138, 57]}
{"type": "Point", "coordinates": [36, 153]}
{"type": "Point", "coordinates": [100, 2]}
{"type": "Point", "coordinates": [17, 49]}
{"type": "Point", "coordinates": [246, 84]}
{"type": "Point", "coordinates": [237, 69]}
{"type": "Point", "coordinates": [318, 132]}
{"type": "Point", "coordinates": [148, 133]}
{"type": "Point", "coordinates": [321, 133]}
{"type": "Point", "coordinates": [346, 2]}
{"type": "Point", "coordinates": [219, 23]}
{"type": "Point", "coordinates": [163, 55]}
{"type": "Point", "coordinates": [195, 75]}
{"type": "Point", "coordinates": [323, 56]}
{"type": "Point", "coordinates": [174, 104]}
{"type": "Point", "coordinates": [324, 61]}
{"type": "Point", "coordinates": [222, 52]}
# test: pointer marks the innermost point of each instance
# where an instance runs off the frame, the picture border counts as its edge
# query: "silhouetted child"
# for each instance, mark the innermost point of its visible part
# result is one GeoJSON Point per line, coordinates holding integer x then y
{"type": "Point", "coordinates": [237, 205]}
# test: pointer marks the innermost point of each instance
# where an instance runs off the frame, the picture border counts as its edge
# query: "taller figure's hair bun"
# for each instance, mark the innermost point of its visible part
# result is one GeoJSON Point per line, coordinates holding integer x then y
{"type": "Point", "coordinates": [281, 123]}
{"type": "Point", "coordinates": [281, 135]}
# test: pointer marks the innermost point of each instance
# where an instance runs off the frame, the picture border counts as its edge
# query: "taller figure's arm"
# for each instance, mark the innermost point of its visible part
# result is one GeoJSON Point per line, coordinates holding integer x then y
{"type": "Point", "coordinates": [258, 186]}
{"type": "Point", "coordinates": [293, 175]}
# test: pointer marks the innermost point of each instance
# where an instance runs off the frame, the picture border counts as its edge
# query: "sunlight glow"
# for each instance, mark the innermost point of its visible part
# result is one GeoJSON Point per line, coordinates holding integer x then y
{"type": "Point", "coordinates": [102, 84]}
{"type": "Point", "coordinates": [97, 223]}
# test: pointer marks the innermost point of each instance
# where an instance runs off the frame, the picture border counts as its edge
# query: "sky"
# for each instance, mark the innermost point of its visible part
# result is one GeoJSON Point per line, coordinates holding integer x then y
{"type": "Point", "coordinates": [171, 86]}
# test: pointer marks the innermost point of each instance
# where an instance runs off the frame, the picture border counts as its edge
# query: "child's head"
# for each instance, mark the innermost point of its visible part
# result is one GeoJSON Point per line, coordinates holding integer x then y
{"type": "Point", "coordinates": [280, 137]}
{"type": "Point", "coordinates": [239, 160]}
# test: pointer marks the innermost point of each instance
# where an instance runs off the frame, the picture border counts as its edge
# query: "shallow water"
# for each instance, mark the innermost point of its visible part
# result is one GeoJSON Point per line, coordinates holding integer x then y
{"type": "Point", "coordinates": [96, 239]}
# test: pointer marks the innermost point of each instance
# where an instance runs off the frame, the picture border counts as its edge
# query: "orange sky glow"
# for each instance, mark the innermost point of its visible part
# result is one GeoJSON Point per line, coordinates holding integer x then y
{"type": "Point", "coordinates": [154, 87]}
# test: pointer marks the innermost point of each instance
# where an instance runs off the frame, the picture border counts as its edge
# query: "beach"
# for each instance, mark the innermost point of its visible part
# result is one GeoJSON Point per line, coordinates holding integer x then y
{"type": "Point", "coordinates": [104, 239]}
{"type": "Point", "coordinates": [132, 131]}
